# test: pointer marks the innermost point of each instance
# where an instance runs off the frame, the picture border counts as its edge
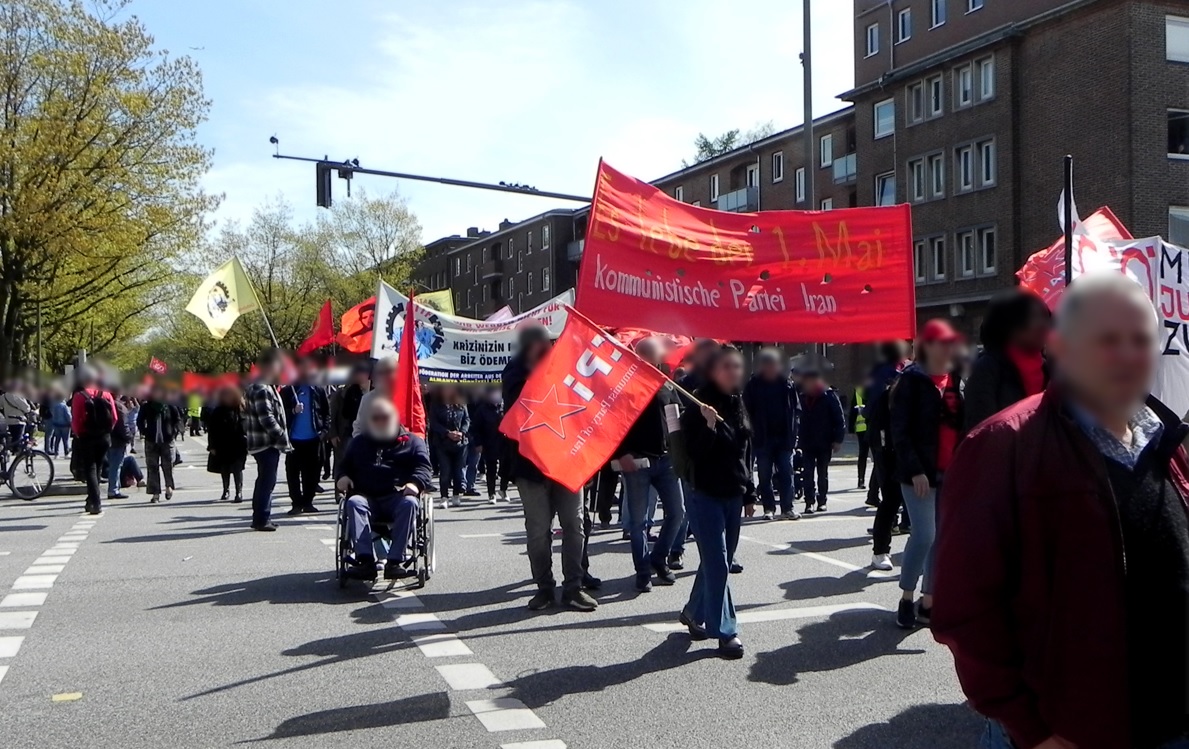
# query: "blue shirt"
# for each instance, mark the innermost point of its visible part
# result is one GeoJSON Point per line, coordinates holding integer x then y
{"type": "Point", "coordinates": [1145, 426]}
{"type": "Point", "coordinates": [302, 426]}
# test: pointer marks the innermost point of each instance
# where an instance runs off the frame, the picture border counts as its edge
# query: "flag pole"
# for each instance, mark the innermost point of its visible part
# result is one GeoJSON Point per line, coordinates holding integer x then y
{"type": "Point", "coordinates": [260, 305]}
{"type": "Point", "coordinates": [1068, 217]}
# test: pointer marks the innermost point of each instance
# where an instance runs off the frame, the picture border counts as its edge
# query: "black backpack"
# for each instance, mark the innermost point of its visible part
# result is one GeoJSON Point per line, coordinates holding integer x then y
{"type": "Point", "coordinates": [98, 419]}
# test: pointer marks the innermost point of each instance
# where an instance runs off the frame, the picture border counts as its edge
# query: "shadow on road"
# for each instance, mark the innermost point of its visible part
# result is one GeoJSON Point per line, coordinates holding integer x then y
{"type": "Point", "coordinates": [290, 588]}
{"type": "Point", "coordinates": [920, 727]}
{"type": "Point", "coordinates": [811, 588]}
{"type": "Point", "coordinates": [418, 709]}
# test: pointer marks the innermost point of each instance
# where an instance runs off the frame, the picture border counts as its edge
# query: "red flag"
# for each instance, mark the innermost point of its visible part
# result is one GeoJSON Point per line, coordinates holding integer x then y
{"type": "Point", "coordinates": [579, 403]}
{"type": "Point", "coordinates": [406, 394]}
{"type": "Point", "coordinates": [322, 334]}
{"type": "Point", "coordinates": [157, 365]}
{"type": "Point", "coordinates": [1044, 272]}
{"type": "Point", "coordinates": [355, 330]}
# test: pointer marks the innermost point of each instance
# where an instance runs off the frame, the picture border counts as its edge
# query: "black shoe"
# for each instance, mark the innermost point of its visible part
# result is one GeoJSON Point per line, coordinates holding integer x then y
{"type": "Point", "coordinates": [730, 648]}
{"type": "Point", "coordinates": [664, 575]}
{"type": "Point", "coordinates": [117, 495]}
{"type": "Point", "coordinates": [362, 568]}
{"type": "Point", "coordinates": [225, 496]}
{"type": "Point", "coordinates": [924, 615]}
{"type": "Point", "coordinates": [590, 582]}
{"type": "Point", "coordinates": [906, 614]}
{"type": "Point", "coordinates": [309, 510]}
{"type": "Point", "coordinates": [676, 561]}
{"type": "Point", "coordinates": [643, 583]}
{"type": "Point", "coordinates": [821, 506]}
{"type": "Point", "coordinates": [541, 601]}
{"type": "Point", "coordinates": [627, 536]}
{"type": "Point", "coordinates": [238, 499]}
{"type": "Point", "coordinates": [579, 600]}
{"type": "Point", "coordinates": [294, 510]}
{"type": "Point", "coordinates": [394, 570]}
{"type": "Point", "coordinates": [267, 528]}
{"type": "Point", "coordinates": [862, 486]}
{"type": "Point", "coordinates": [471, 493]}
{"type": "Point", "coordinates": [872, 503]}
{"type": "Point", "coordinates": [94, 510]}
{"type": "Point", "coordinates": [319, 489]}
{"type": "Point", "coordinates": [696, 631]}
{"type": "Point", "coordinates": [736, 568]}
{"type": "Point", "coordinates": [808, 510]}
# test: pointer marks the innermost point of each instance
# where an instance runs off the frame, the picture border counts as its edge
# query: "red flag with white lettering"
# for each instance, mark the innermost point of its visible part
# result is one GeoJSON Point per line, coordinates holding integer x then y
{"type": "Point", "coordinates": [579, 403]}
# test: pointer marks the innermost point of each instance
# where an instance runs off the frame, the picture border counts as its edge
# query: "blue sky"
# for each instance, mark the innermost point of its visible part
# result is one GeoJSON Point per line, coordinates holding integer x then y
{"type": "Point", "coordinates": [529, 91]}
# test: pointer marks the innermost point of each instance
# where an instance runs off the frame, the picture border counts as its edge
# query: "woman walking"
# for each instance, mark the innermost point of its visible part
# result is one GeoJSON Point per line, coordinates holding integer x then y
{"type": "Point", "coordinates": [160, 423]}
{"type": "Point", "coordinates": [718, 441]}
{"type": "Point", "coordinates": [926, 424]}
{"type": "Point", "coordinates": [449, 425]}
{"type": "Point", "coordinates": [228, 443]}
{"type": "Point", "coordinates": [1013, 365]}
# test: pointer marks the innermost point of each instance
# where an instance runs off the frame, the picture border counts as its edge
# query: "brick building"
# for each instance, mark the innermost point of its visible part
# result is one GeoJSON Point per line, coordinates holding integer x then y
{"type": "Point", "coordinates": [433, 271]}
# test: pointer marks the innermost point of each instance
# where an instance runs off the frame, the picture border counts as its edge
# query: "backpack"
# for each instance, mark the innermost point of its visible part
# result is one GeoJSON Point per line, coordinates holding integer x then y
{"type": "Point", "coordinates": [98, 419]}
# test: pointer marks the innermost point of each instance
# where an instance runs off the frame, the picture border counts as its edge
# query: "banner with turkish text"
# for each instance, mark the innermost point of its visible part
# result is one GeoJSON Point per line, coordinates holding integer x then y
{"type": "Point", "coordinates": [579, 403]}
{"type": "Point", "coordinates": [651, 261]}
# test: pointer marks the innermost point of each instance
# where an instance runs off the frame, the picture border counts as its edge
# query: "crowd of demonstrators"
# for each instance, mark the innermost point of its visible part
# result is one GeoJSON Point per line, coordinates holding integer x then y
{"type": "Point", "coordinates": [307, 414]}
{"type": "Point", "coordinates": [227, 441]}
{"type": "Point", "coordinates": [449, 433]}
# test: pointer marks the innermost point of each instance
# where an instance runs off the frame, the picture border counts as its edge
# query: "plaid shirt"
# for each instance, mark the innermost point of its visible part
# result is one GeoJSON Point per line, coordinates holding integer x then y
{"type": "Point", "coordinates": [1145, 426]}
{"type": "Point", "coordinates": [265, 424]}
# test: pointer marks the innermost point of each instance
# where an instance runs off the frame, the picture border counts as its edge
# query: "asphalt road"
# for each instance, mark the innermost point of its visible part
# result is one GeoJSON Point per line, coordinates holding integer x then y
{"type": "Point", "coordinates": [173, 625]}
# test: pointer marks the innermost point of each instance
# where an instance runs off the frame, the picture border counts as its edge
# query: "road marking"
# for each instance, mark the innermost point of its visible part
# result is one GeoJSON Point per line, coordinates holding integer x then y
{"type": "Point", "coordinates": [504, 714]}
{"type": "Point", "coordinates": [67, 697]}
{"type": "Point", "coordinates": [13, 600]}
{"type": "Point", "coordinates": [330, 541]}
{"type": "Point", "coordinates": [9, 646]}
{"type": "Point", "coordinates": [419, 622]}
{"type": "Point", "coordinates": [17, 619]}
{"type": "Point", "coordinates": [33, 582]}
{"type": "Point", "coordinates": [73, 536]}
{"type": "Point", "coordinates": [399, 599]}
{"type": "Point", "coordinates": [773, 615]}
{"type": "Point", "coordinates": [58, 552]}
{"type": "Point", "coordinates": [464, 676]}
{"type": "Point", "coordinates": [45, 569]}
{"type": "Point", "coordinates": [72, 546]}
{"type": "Point", "coordinates": [548, 744]}
{"type": "Point", "coordinates": [442, 645]}
{"type": "Point", "coordinates": [511, 534]}
{"type": "Point", "coordinates": [4, 553]}
{"type": "Point", "coordinates": [3, 671]}
{"type": "Point", "coordinates": [874, 574]}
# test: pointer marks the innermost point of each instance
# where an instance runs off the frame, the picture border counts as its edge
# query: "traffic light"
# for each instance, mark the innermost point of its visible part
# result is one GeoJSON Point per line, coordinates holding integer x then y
{"type": "Point", "coordinates": [324, 177]}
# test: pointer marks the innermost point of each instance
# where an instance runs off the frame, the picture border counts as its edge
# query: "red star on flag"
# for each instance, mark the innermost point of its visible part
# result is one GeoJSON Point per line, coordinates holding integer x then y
{"type": "Point", "coordinates": [549, 412]}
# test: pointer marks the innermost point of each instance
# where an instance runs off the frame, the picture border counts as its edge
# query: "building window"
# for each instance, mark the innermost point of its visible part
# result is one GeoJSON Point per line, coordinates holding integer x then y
{"type": "Point", "coordinates": [987, 162]}
{"type": "Point", "coordinates": [679, 193]}
{"type": "Point", "coordinates": [800, 180]}
{"type": "Point", "coordinates": [964, 158]}
{"type": "Point", "coordinates": [1178, 134]}
{"type": "Point", "coordinates": [713, 187]}
{"type": "Point", "coordinates": [545, 237]}
{"type": "Point", "coordinates": [938, 13]}
{"type": "Point", "coordinates": [937, 258]}
{"type": "Point", "coordinates": [778, 166]}
{"type": "Point", "coordinates": [987, 248]}
{"type": "Point", "coordinates": [753, 175]}
{"type": "Point", "coordinates": [470, 302]}
{"type": "Point", "coordinates": [528, 246]}
{"type": "Point", "coordinates": [1176, 38]}
{"type": "Point", "coordinates": [936, 86]}
{"type": "Point", "coordinates": [986, 78]}
{"type": "Point", "coordinates": [828, 204]}
{"type": "Point", "coordinates": [904, 25]}
{"type": "Point", "coordinates": [457, 267]}
{"type": "Point", "coordinates": [916, 103]}
{"type": "Point", "coordinates": [966, 254]}
{"type": "Point", "coordinates": [885, 189]}
{"type": "Point", "coordinates": [468, 263]}
{"type": "Point", "coordinates": [918, 261]}
{"type": "Point", "coordinates": [826, 147]}
{"type": "Point", "coordinates": [511, 288]}
{"type": "Point", "coordinates": [937, 175]}
{"type": "Point", "coordinates": [486, 292]}
{"type": "Point", "coordinates": [544, 279]}
{"type": "Point", "coordinates": [528, 289]}
{"type": "Point", "coordinates": [1178, 225]}
{"type": "Point", "coordinates": [484, 254]}
{"type": "Point", "coordinates": [873, 40]}
{"type": "Point", "coordinates": [520, 263]}
{"type": "Point", "coordinates": [963, 87]}
{"type": "Point", "coordinates": [916, 174]}
{"type": "Point", "coordinates": [885, 118]}
{"type": "Point", "coordinates": [973, 5]}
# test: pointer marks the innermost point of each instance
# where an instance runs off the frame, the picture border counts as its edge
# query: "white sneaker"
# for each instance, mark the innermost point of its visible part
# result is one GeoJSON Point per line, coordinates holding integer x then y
{"type": "Point", "coordinates": [503, 496]}
{"type": "Point", "coordinates": [493, 500]}
{"type": "Point", "coordinates": [443, 504]}
{"type": "Point", "coordinates": [768, 516]}
{"type": "Point", "coordinates": [456, 502]}
{"type": "Point", "coordinates": [882, 562]}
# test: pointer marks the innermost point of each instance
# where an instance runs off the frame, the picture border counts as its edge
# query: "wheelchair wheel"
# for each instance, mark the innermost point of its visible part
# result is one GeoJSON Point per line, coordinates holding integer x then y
{"type": "Point", "coordinates": [428, 552]}
{"type": "Point", "coordinates": [340, 563]}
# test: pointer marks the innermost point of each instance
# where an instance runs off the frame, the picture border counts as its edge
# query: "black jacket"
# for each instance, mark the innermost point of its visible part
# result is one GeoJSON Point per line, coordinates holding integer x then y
{"type": "Point", "coordinates": [445, 418]}
{"type": "Point", "coordinates": [485, 425]}
{"type": "Point", "coordinates": [380, 468]}
{"type": "Point", "coordinates": [917, 412]}
{"type": "Point", "coordinates": [773, 406]}
{"type": "Point", "coordinates": [227, 439]}
{"type": "Point", "coordinates": [823, 423]}
{"type": "Point", "coordinates": [994, 384]}
{"type": "Point", "coordinates": [319, 404]}
{"type": "Point", "coordinates": [516, 466]}
{"type": "Point", "coordinates": [159, 423]}
{"type": "Point", "coordinates": [344, 407]}
{"type": "Point", "coordinates": [649, 436]}
{"type": "Point", "coordinates": [719, 458]}
{"type": "Point", "coordinates": [121, 435]}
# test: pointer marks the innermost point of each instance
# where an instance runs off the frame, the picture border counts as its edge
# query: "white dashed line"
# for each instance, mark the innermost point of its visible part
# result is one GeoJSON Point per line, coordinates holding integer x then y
{"type": "Point", "coordinates": [442, 645]}
{"type": "Point", "coordinates": [504, 714]}
{"type": "Point", "coordinates": [464, 676]}
{"type": "Point", "coordinates": [14, 600]}
{"type": "Point", "coordinates": [399, 599]}
{"type": "Point", "coordinates": [330, 541]}
{"type": "Point", "coordinates": [419, 622]}
{"type": "Point", "coordinates": [17, 619]}
{"type": "Point", "coordinates": [804, 612]}
{"type": "Point", "coordinates": [547, 744]}
{"type": "Point", "coordinates": [3, 671]}
{"type": "Point", "coordinates": [9, 646]}
{"type": "Point", "coordinates": [34, 582]}
{"type": "Point", "coordinates": [45, 569]}
{"type": "Point", "coordinates": [67, 545]}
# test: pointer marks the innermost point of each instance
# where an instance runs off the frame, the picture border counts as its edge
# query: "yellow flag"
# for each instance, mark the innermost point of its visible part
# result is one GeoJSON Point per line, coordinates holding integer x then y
{"type": "Point", "coordinates": [223, 297]}
{"type": "Point", "coordinates": [439, 301]}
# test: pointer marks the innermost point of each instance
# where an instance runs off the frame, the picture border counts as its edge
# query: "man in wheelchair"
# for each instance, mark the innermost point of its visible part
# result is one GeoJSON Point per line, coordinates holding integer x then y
{"type": "Point", "coordinates": [382, 473]}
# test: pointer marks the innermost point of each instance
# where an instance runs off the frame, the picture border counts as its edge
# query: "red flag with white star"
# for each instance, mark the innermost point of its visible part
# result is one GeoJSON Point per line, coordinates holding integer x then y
{"type": "Point", "coordinates": [579, 403]}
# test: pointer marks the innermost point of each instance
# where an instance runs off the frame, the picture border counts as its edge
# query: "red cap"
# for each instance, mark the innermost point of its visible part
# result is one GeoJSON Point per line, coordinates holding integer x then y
{"type": "Point", "coordinates": [938, 331]}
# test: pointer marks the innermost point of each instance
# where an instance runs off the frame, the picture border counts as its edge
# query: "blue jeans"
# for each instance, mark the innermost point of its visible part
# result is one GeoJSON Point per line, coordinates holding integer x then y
{"type": "Point", "coordinates": [995, 737]}
{"type": "Point", "coordinates": [638, 506]}
{"type": "Point", "coordinates": [115, 461]}
{"type": "Point", "coordinates": [472, 467]}
{"type": "Point", "coordinates": [716, 523]}
{"type": "Point", "coordinates": [918, 553]}
{"type": "Point", "coordinates": [59, 440]}
{"type": "Point", "coordinates": [396, 509]}
{"type": "Point", "coordinates": [266, 480]}
{"type": "Point", "coordinates": [450, 470]}
{"type": "Point", "coordinates": [773, 460]}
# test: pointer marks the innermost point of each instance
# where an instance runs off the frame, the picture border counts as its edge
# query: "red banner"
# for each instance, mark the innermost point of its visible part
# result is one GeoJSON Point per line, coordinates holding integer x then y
{"type": "Point", "coordinates": [406, 392]}
{"type": "Point", "coordinates": [654, 262]}
{"type": "Point", "coordinates": [579, 403]}
{"type": "Point", "coordinates": [321, 334]}
{"type": "Point", "coordinates": [1044, 272]}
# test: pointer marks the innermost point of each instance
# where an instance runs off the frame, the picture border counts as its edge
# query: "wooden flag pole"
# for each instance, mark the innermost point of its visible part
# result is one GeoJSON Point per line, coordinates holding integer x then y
{"type": "Point", "coordinates": [1068, 189]}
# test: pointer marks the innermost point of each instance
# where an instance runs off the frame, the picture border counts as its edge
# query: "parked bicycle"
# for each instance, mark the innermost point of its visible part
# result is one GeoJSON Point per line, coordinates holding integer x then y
{"type": "Point", "coordinates": [28, 471]}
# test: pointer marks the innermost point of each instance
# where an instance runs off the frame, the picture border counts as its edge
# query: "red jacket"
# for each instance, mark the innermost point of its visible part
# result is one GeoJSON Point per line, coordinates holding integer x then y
{"type": "Point", "coordinates": [78, 408]}
{"type": "Point", "coordinates": [1029, 576]}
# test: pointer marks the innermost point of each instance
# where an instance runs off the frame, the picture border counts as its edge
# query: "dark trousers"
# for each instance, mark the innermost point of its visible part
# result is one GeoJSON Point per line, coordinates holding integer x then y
{"type": "Point", "coordinates": [864, 450]}
{"type": "Point", "coordinates": [451, 464]}
{"type": "Point", "coordinates": [303, 466]}
{"type": "Point", "coordinates": [774, 462]}
{"type": "Point", "coordinates": [889, 504]}
{"type": "Point", "coordinates": [267, 462]}
{"type": "Point", "coordinates": [238, 476]}
{"type": "Point", "coordinates": [817, 475]}
{"type": "Point", "coordinates": [873, 486]}
{"type": "Point", "coordinates": [492, 464]}
{"type": "Point", "coordinates": [195, 426]}
{"type": "Point", "coordinates": [90, 453]}
{"type": "Point", "coordinates": [605, 486]}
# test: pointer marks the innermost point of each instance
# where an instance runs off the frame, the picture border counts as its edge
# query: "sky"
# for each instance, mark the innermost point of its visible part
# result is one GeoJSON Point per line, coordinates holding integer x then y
{"type": "Point", "coordinates": [525, 91]}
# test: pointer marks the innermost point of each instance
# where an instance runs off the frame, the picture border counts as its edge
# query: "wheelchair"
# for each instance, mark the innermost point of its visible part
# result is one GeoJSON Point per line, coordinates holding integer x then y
{"type": "Point", "coordinates": [421, 556]}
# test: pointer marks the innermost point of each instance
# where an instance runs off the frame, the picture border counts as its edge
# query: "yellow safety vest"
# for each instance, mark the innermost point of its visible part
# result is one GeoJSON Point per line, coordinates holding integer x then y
{"type": "Point", "coordinates": [860, 420]}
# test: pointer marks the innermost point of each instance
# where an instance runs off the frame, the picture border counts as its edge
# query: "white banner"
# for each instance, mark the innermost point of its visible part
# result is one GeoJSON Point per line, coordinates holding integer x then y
{"type": "Point", "coordinates": [459, 349]}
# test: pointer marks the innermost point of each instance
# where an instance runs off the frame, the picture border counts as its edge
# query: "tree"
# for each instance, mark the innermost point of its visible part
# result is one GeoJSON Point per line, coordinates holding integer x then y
{"type": "Point", "coordinates": [706, 148]}
{"type": "Point", "coordinates": [99, 175]}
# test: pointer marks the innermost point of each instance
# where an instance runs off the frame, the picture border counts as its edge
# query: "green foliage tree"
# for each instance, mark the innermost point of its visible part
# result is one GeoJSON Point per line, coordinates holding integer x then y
{"type": "Point", "coordinates": [706, 148]}
{"type": "Point", "coordinates": [99, 176]}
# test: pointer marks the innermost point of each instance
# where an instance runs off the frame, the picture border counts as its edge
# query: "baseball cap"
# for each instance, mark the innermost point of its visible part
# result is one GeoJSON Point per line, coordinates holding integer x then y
{"type": "Point", "coordinates": [938, 331]}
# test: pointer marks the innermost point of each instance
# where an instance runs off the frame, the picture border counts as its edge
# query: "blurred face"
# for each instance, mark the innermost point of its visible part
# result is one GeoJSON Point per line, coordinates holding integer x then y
{"type": "Point", "coordinates": [157, 393]}
{"type": "Point", "coordinates": [940, 355]}
{"type": "Point", "coordinates": [1109, 354]}
{"type": "Point", "coordinates": [728, 373]}
{"type": "Point", "coordinates": [1035, 333]}
{"type": "Point", "coordinates": [382, 377]}
{"type": "Point", "coordinates": [813, 383]}
{"type": "Point", "coordinates": [308, 369]}
{"type": "Point", "coordinates": [361, 378]}
{"type": "Point", "coordinates": [650, 351]}
{"type": "Point", "coordinates": [381, 423]}
{"type": "Point", "coordinates": [769, 368]}
{"type": "Point", "coordinates": [536, 351]}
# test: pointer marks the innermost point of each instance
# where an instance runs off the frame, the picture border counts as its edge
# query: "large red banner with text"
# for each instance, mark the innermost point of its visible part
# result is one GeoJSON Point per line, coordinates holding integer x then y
{"type": "Point", "coordinates": [650, 261]}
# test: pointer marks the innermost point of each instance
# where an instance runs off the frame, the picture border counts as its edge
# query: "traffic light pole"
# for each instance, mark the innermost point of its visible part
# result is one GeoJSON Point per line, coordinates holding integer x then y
{"type": "Point", "coordinates": [347, 169]}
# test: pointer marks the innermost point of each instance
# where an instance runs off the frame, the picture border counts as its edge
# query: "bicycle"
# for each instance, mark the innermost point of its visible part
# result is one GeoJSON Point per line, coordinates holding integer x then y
{"type": "Point", "coordinates": [27, 471]}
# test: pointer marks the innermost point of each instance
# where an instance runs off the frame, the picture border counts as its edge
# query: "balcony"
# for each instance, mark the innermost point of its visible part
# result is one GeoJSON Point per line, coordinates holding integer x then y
{"type": "Point", "coordinates": [491, 269]}
{"type": "Point", "coordinates": [745, 200]}
{"type": "Point", "coordinates": [846, 169]}
{"type": "Point", "coordinates": [574, 250]}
